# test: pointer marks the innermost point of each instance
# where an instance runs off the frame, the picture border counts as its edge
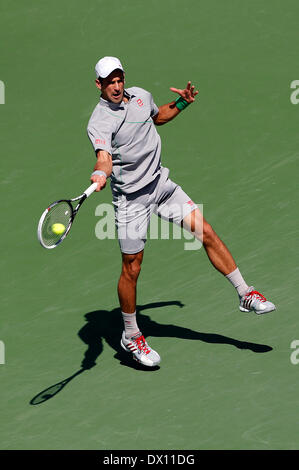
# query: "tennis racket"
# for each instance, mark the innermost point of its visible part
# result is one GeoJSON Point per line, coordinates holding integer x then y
{"type": "Point", "coordinates": [60, 212]}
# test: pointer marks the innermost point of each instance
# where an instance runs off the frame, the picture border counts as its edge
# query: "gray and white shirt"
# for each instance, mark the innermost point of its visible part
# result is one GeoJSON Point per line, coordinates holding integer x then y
{"type": "Point", "coordinates": [128, 133]}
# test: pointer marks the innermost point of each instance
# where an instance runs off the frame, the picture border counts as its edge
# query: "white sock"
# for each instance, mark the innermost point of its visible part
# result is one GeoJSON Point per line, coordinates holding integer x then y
{"type": "Point", "coordinates": [130, 323]}
{"type": "Point", "coordinates": [237, 281]}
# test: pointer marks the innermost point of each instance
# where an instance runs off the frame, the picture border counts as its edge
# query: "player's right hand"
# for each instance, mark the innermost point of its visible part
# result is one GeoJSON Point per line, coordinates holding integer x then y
{"type": "Point", "coordinates": [100, 179]}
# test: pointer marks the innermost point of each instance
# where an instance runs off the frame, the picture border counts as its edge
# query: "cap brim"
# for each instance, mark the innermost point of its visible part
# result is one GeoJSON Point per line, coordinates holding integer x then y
{"type": "Point", "coordinates": [107, 75]}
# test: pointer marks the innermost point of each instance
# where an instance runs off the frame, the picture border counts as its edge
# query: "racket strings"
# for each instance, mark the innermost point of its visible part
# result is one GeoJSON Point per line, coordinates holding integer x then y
{"type": "Point", "coordinates": [60, 213]}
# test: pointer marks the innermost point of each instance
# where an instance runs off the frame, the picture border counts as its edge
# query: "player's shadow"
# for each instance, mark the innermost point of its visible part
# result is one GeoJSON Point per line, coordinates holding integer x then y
{"type": "Point", "coordinates": [107, 325]}
{"type": "Point", "coordinates": [104, 325]}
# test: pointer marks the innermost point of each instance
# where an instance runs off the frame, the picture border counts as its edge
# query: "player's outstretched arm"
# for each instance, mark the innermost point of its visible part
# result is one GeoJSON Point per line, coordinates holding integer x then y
{"type": "Point", "coordinates": [103, 164]}
{"type": "Point", "coordinates": [170, 110]}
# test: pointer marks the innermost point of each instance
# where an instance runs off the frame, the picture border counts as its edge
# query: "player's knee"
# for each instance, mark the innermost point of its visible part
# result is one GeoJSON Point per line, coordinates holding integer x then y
{"type": "Point", "coordinates": [131, 268]}
{"type": "Point", "coordinates": [134, 270]}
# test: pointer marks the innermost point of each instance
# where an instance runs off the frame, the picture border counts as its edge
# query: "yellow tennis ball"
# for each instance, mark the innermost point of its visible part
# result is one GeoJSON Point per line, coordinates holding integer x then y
{"type": "Point", "coordinates": [58, 229]}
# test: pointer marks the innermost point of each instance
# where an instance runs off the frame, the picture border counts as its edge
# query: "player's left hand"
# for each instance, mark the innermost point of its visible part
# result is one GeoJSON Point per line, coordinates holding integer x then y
{"type": "Point", "coordinates": [188, 94]}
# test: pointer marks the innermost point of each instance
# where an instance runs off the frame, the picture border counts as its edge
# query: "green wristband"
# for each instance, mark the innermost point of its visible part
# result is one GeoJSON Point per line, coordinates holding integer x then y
{"type": "Point", "coordinates": [181, 103]}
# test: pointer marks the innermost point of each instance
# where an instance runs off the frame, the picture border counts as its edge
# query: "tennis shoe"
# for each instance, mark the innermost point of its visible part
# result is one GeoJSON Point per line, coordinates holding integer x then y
{"type": "Point", "coordinates": [253, 300]}
{"type": "Point", "coordinates": [140, 349]}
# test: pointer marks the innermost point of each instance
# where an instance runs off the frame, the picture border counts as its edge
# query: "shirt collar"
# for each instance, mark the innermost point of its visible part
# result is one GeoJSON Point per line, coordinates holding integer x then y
{"type": "Point", "coordinates": [109, 104]}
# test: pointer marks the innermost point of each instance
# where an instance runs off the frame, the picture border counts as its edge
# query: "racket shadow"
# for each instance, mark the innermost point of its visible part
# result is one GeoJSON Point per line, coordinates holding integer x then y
{"type": "Point", "coordinates": [51, 391]}
{"type": "Point", "coordinates": [93, 334]}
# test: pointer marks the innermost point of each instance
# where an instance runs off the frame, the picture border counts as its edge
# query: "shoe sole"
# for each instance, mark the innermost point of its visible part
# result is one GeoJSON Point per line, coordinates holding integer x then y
{"type": "Point", "coordinates": [135, 358]}
{"type": "Point", "coordinates": [242, 309]}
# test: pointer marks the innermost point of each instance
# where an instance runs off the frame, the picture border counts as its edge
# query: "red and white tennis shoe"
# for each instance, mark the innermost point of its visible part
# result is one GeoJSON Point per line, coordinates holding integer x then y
{"type": "Point", "coordinates": [253, 300]}
{"type": "Point", "coordinates": [140, 349]}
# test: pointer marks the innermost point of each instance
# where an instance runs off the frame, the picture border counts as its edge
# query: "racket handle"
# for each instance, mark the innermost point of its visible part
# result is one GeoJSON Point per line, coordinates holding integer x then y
{"type": "Point", "coordinates": [91, 189]}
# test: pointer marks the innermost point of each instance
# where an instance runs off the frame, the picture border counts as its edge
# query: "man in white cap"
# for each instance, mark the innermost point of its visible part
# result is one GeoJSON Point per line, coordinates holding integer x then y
{"type": "Point", "coordinates": [128, 149]}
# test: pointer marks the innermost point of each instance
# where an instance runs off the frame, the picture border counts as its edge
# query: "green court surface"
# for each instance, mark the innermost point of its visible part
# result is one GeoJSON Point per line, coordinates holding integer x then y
{"type": "Point", "coordinates": [226, 379]}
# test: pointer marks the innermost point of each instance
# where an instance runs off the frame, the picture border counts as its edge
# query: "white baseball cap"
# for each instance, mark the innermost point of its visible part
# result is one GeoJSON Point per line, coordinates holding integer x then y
{"type": "Point", "coordinates": [106, 65]}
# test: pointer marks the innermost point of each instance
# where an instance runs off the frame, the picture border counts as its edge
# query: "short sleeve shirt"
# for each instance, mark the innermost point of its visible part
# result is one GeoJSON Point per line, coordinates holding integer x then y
{"type": "Point", "coordinates": [128, 133]}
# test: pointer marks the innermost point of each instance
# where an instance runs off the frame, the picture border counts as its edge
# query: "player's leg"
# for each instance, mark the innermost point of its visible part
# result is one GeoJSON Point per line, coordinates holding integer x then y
{"type": "Point", "coordinates": [132, 219]}
{"type": "Point", "coordinates": [223, 261]}
{"type": "Point", "coordinates": [177, 207]}
{"type": "Point", "coordinates": [131, 266]}
{"type": "Point", "coordinates": [132, 339]}
{"type": "Point", "coordinates": [217, 251]}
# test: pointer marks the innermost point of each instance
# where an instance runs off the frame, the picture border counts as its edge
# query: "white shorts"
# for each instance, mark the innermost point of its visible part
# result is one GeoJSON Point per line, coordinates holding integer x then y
{"type": "Point", "coordinates": [133, 211]}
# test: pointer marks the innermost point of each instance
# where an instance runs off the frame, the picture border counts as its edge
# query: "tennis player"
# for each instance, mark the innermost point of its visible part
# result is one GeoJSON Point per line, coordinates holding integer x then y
{"type": "Point", "coordinates": [128, 151]}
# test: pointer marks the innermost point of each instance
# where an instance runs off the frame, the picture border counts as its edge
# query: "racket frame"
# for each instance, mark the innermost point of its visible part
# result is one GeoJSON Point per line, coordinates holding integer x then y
{"type": "Point", "coordinates": [74, 211]}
